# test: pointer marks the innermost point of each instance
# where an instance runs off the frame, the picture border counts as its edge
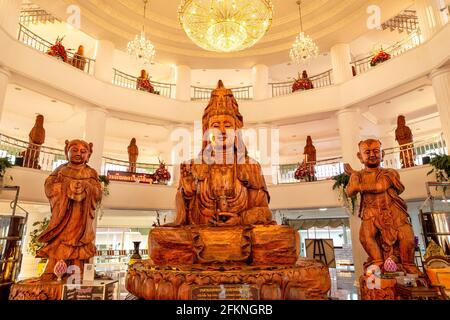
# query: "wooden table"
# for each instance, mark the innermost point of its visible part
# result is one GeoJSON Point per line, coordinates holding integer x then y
{"type": "Point", "coordinates": [417, 293]}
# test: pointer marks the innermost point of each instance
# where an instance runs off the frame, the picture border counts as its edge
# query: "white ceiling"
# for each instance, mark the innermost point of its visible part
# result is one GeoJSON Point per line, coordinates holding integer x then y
{"type": "Point", "coordinates": [327, 21]}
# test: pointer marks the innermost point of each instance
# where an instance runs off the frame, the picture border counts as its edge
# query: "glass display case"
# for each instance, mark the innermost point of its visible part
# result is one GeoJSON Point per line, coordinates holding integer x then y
{"type": "Point", "coordinates": [435, 215]}
{"type": "Point", "coordinates": [12, 230]}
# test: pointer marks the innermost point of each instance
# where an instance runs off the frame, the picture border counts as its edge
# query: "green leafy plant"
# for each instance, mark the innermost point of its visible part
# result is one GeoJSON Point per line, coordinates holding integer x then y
{"type": "Point", "coordinates": [340, 184]}
{"type": "Point", "coordinates": [4, 164]}
{"type": "Point", "coordinates": [105, 184]}
{"type": "Point", "coordinates": [441, 167]}
{"type": "Point", "coordinates": [34, 245]}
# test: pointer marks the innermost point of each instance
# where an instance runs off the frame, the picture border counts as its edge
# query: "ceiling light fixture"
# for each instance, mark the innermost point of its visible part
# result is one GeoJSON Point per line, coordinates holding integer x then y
{"type": "Point", "coordinates": [304, 48]}
{"type": "Point", "coordinates": [141, 48]}
{"type": "Point", "coordinates": [225, 25]}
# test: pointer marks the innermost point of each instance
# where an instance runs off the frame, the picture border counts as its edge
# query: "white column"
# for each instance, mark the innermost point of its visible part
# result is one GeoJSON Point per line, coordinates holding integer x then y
{"type": "Point", "coordinates": [10, 15]}
{"type": "Point", "coordinates": [183, 81]}
{"type": "Point", "coordinates": [29, 266]}
{"type": "Point", "coordinates": [94, 132]}
{"type": "Point", "coordinates": [430, 18]}
{"type": "Point", "coordinates": [341, 58]}
{"type": "Point", "coordinates": [4, 80]}
{"type": "Point", "coordinates": [350, 137]}
{"type": "Point", "coordinates": [440, 79]}
{"type": "Point", "coordinates": [260, 80]}
{"type": "Point", "coordinates": [104, 60]}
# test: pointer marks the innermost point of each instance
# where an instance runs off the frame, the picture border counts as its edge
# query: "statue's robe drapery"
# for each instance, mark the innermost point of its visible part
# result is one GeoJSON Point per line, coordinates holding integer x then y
{"type": "Point", "coordinates": [197, 201]}
{"type": "Point", "coordinates": [70, 234]}
{"type": "Point", "coordinates": [388, 212]}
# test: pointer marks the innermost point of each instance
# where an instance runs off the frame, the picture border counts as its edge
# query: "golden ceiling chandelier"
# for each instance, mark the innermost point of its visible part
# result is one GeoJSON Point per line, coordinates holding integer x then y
{"type": "Point", "coordinates": [225, 25]}
{"type": "Point", "coordinates": [304, 48]}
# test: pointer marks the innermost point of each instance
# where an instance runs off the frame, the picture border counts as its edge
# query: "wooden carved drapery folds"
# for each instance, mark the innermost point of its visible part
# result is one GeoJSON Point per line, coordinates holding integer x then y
{"type": "Point", "coordinates": [133, 153]}
{"type": "Point", "coordinates": [79, 60]}
{"type": "Point", "coordinates": [36, 140]}
{"type": "Point", "coordinates": [73, 190]}
{"type": "Point", "coordinates": [404, 137]}
{"type": "Point", "coordinates": [224, 233]}
{"type": "Point", "coordinates": [386, 230]}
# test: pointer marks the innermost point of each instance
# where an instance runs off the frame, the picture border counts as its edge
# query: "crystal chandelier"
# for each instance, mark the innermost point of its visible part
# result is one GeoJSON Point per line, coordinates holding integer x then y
{"type": "Point", "coordinates": [141, 48]}
{"type": "Point", "coordinates": [225, 25]}
{"type": "Point", "coordinates": [304, 48]}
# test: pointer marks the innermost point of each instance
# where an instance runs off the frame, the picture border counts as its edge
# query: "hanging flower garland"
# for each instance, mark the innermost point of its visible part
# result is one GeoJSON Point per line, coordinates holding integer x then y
{"type": "Point", "coordinates": [145, 85]}
{"type": "Point", "coordinates": [57, 50]}
{"type": "Point", "coordinates": [161, 175]}
{"type": "Point", "coordinates": [380, 57]}
{"type": "Point", "coordinates": [302, 83]}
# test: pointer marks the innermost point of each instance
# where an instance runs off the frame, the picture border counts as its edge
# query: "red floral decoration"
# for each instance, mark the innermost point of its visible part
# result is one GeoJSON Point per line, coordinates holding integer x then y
{"type": "Point", "coordinates": [302, 84]}
{"type": "Point", "coordinates": [161, 175]}
{"type": "Point", "coordinates": [58, 50]}
{"type": "Point", "coordinates": [380, 57]}
{"type": "Point", "coordinates": [305, 171]}
{"type": "Point", "coordinates": [145, 85]}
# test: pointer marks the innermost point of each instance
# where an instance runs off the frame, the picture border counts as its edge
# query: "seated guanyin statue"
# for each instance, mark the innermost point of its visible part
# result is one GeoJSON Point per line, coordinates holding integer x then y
{"type": "Point", "coordinates": [223, 187]}
{"type": "Point", "coordinates": [224, 243]}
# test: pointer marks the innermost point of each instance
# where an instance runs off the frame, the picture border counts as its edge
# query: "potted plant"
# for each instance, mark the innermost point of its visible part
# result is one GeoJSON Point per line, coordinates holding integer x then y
{"type": "Point", "coordinates": [104, 181]}
{"type": "Point", "coordinates": [441, 167]}
{"type": "Point", "coordinates": [4, 164]}
{"type": "Point", "coordinates": [34, 245]}
{"type": "Point", "coordinates": [341, 182]}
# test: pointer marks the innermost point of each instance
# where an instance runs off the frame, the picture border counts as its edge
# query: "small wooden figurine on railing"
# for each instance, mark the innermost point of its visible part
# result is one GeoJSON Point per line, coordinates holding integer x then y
{"type": "Point", "coordinates": [143, 82]}
{"type": "Point", "coordinates": [133, 153]}
{"type": "Point", "coordinates": [78, 60]}
{"type": "Point", "coordinates": [404, 137]}
{"type": "Point", "coordinates": [386, 233]}
{"type": "Point", "coordinates": [306, 170]}
{"type": "Point", "coordinates": [36, 140]}
{"type": "Point", "coordinates": [302, 83]}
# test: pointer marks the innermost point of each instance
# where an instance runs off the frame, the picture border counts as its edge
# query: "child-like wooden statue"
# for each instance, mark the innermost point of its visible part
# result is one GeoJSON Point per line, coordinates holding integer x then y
{"type": "Point", "coordinates": [386, 230]}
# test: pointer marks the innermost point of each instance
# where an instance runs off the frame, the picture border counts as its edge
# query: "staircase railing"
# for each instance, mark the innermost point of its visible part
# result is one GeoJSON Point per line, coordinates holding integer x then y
{"type": "Point", "coordinates": [405, 21]}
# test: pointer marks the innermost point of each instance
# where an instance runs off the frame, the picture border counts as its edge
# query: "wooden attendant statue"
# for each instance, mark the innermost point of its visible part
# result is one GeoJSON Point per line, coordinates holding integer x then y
{"type": "Point", "coordinates": [386, 230]}
{"type": "Point", "coordinates": [36, 139]}
{"type": "Point", "coordinates": [404, 137]}
{"type": "Point", "coordinates": [79, 61]}
{"type": "Point", "coordinates": [310, 157]}
{"type": "Point", "coordinates": [133, 153]}
{"type": "Point", "coordinates": [73, 190]}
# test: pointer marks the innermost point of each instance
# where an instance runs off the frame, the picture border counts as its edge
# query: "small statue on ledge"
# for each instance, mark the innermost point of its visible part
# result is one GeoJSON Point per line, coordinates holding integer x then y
{"type": "Point", "coordinates": [306, 170]}
{"type": "Point", "coordinates": [302, 83]}
{"type": "Point", "coordinates": [78, 60]}
{"type": "Point", "coordinates": [74, 191]}
{"type": "Point", "coordinates": [143, 82]}
{"type": "Point", "coordinates": [386, 232]}
{"type": "Point", "coordinates": [404, 137]}
{"type": "Point", "coordinates": [36, 140]}
{"type": "Point", "coordinates": [133, 153]}
{"type": "Point", "coordinates": [224, 187]}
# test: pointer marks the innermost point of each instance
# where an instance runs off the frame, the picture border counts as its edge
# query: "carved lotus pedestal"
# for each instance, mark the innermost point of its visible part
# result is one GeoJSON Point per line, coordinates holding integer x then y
{"type": "Point", "coordinates": [246, 262]}
{"type": "Point", "coordinates": [36, 289]}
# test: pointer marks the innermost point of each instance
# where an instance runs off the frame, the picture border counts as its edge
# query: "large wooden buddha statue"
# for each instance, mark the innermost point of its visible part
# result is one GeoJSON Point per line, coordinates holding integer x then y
{"type": "Point", "coordinates": [223, 187]}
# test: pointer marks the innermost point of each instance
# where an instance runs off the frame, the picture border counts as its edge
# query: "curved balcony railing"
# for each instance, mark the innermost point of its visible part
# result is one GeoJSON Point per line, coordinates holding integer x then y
{"type": "Point", "coordinates": [320, 80]}
{"type": "Point", "coordinates": [25, 154]}
{"type": "Point", "coordinates": [323, 169]}
{"type": "Point", "coordinates": [240, 93]}
{"type": "Point", "coordinates": [363, 65]}
{"type": "Point", "coordinates": [125, 80]}
{"type": "Point", "coordinates": [406, 20]}
{"type": "Point", "coordinates": [31, 39]}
